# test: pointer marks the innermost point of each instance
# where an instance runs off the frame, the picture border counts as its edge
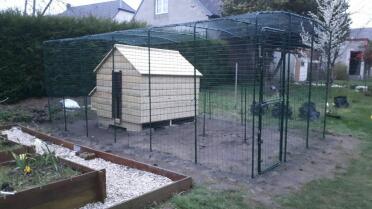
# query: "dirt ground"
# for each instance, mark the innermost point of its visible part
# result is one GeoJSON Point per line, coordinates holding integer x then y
{"type": "Point", "coordinates": [224, 158]}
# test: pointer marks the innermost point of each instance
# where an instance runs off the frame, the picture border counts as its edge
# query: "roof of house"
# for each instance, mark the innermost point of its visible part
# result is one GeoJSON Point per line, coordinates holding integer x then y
{"type": "Point", "coordinates": [162, 62]}
{"type": "Point", "coordinates": [361, 33]}
{"type": "Point", "coordinates": [213, 6]}
{"type": "Point", "coordinates": [104, 10]}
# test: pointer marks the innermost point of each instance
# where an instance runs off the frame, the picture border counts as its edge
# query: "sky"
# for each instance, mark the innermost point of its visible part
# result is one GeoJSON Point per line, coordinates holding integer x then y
{"type": "Point", "coordinates": [57, 6]}
{"type": "Point", "coordinates": [360, 10]}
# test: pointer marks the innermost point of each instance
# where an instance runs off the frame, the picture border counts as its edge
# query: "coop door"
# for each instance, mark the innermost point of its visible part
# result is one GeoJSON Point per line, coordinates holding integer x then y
{"type": "Point", "coordinates": [116, 95]}
{"type": "Point", "coordinates": [271, 106]}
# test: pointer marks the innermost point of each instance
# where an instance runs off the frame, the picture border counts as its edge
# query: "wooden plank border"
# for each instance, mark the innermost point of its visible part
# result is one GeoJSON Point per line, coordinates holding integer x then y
{"type": "Point", "coordinates": [181, 183]}
{"type": "Point", "coordinates": [7, 155]}
{"type": "Point", "coordinates": [74, 192]}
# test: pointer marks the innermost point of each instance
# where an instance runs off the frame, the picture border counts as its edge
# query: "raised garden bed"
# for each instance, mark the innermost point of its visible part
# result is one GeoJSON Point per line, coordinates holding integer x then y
{"type": "Point", "coordinates": [8, 147]}
{"type": "Point", "coordinates": [58, 185]}
{"type": "Point", "coordinates": [139, 175]}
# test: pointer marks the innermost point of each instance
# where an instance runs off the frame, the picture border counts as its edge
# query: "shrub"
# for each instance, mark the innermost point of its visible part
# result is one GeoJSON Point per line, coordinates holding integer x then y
{"type": "Point", "coordinates": [21, 51]}
{"type": "Point", "coordinates": [340, 72]}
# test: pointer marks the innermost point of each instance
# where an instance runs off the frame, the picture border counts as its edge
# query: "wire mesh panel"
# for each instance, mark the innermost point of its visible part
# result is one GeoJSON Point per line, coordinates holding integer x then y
{"type": "Point", "coordinates": [224, 126]}
{"type": "Point", "coordinates": [232, 94]}
{"type": "Point", "coordinates": [270, 106]}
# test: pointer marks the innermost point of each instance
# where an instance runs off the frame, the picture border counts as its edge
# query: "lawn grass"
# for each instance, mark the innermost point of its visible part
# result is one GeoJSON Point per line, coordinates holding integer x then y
{"type": "Point", "coordinates": [352, 189]}
{"type": "Point", "coordinates": [222, 100]}
{"type": "Point", "coordinates": [203, 198]}
{"type": "Point", "coordinates": [348, 190]}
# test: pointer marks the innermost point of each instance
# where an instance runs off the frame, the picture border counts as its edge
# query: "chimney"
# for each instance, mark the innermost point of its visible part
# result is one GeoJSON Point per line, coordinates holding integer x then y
{"type": "Point", "coordinates": [120, 3]}
{"type": "Point", "coordinates": [68, 6]}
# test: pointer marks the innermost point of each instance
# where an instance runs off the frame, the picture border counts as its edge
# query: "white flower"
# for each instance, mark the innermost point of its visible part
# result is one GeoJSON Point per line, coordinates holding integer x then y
{"type": "Point", "coordinates": [22, 156]}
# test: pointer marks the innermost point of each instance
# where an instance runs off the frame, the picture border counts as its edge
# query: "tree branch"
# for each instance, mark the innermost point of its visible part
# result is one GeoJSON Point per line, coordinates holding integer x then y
{"type": "Point", "coordinates": [46, 7]}
{"type": "Point", "coordinates": [25, 11]}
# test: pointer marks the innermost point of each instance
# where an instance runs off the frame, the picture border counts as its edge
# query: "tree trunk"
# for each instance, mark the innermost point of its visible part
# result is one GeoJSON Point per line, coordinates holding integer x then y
{"type": "Point", "coordinates": [25, 10]}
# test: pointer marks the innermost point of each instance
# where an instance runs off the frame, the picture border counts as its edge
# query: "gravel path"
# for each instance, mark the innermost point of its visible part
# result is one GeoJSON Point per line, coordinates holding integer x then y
{"type": "Point", "coordinates": [123, 183]}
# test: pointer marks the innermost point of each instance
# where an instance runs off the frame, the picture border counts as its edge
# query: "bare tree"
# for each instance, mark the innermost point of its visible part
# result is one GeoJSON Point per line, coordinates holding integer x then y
{"type": "Point", "coordinates": [46, 7]}
{"type": "Point", "coordinates": [25, 10]}
{"type": "Point", "coordinates": [34, 8]}
{"type": "Point", "coordinates": [333, 15]}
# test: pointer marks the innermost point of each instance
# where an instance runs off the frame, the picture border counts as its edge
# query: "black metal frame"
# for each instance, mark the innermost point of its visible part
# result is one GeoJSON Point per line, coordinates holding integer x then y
{"type": "Point", "coordinates": [150, 36]}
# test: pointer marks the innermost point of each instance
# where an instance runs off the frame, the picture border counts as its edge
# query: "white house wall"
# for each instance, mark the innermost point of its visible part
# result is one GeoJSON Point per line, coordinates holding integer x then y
{"type": "Point", "coordinates": [346, 48]}
{"type": "Point", "coordinates": [303, 69]}
{"type": "Point", "coordinates": [179, 11]}
{"type": "Point", "coordinates": [123, 16]}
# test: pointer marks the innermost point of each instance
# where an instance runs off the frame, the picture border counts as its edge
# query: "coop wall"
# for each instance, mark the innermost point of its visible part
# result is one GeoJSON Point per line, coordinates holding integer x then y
{"type": "Point", "coordinates": [131, 85]}
{"type": "Point", "coordinates": [172, 97]}
{"type": "Point", "coordinates": [101, 100]}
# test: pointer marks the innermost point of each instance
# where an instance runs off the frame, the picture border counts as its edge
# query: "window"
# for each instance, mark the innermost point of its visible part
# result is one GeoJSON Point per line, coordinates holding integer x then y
{"type": "Point", "coordinates": [161, 7]}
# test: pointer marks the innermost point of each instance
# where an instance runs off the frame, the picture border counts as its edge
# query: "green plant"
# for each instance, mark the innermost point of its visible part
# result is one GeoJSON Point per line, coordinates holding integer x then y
{"type": "Point", "coordinates": [49, 158]}
{"type": "Point", "coordinates": [340, 72]}
{"type": "Point", "coordinates": [15, 115]}
{"type": "Point", "coordinates": [21, 161]}
{"type": "Point", "coordinates": [39, 173]}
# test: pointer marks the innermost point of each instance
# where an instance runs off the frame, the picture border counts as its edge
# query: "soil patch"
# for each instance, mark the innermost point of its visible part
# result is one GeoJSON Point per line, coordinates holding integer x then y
{"type": "Point", "coordinates": [225, 160]}
{"type": "Point", "coordinates": [224, 157]}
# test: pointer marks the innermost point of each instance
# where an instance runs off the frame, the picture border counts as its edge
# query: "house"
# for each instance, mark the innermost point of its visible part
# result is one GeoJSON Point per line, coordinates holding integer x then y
{"type": "Point", "coordinates": [121, 95]}
{"type": "Point", "coordinates": [301, 68]}
{"type": "Point", "coordinates": [351, 53]}
{"type": "Point", "coordinates": [116, 10]}
{"type": "Point", "coordinates": [298, 63]}
{"type": "Point", "coordinates": [166, 12]}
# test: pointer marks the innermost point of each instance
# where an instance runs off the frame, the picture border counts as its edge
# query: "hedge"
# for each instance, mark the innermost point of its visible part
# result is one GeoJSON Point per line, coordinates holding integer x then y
{"type": "Point", "coordinates": [21, 52]}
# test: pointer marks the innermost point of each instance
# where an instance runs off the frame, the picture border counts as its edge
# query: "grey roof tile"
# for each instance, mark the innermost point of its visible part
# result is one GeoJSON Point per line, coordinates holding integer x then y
{"type": "Point", "coordinates": [104, 10]}
{"type": "Point", "coordinates": [361, 33]}
{"type": "Point", "coordinates": [214, 6]}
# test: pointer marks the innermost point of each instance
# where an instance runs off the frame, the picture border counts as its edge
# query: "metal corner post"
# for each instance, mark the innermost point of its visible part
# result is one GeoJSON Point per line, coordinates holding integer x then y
{"type": "Point", "coordinates": [327, 82]}
{"type": "Point", "coordinates": [288, 77]}
{"type": "Point", "coordinates": [64, 112]}
{"type": "Point", "coordinates": [245, 114]}
{"type": "Point", "coordinates": [310, 74]}
{"type": "Point", "coordinates": [205, 93]}
{"type": "Point", "coordinates": [195, 101]}
{"type": "Point", "coordinates": [85, 102]}
{"type": "Point", "coordinates": [46, 82]}
{"type": "Point", "coordinates": [283, 93]}
{"type": "Point", "coordinates": [260, 101]}
{"type": "Point", "coordinates": [86, 116]}
{"type": "Point", "coordinates": [284, 108]}
{"type": "Point", "coordinates": [241, 105]}
{"type": "Point", "coordinates": [150, 108]}
{"type": "Point", "coordinates": [204, 109]}
{"type": "Point", "coordinates": [64, 99]}
{"type": "Point", "coordinates": [49, 110]}
{"type": "Point", "coordinates": [254, 98]}
{"type": "Point", "coordinates": [113, 89]}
